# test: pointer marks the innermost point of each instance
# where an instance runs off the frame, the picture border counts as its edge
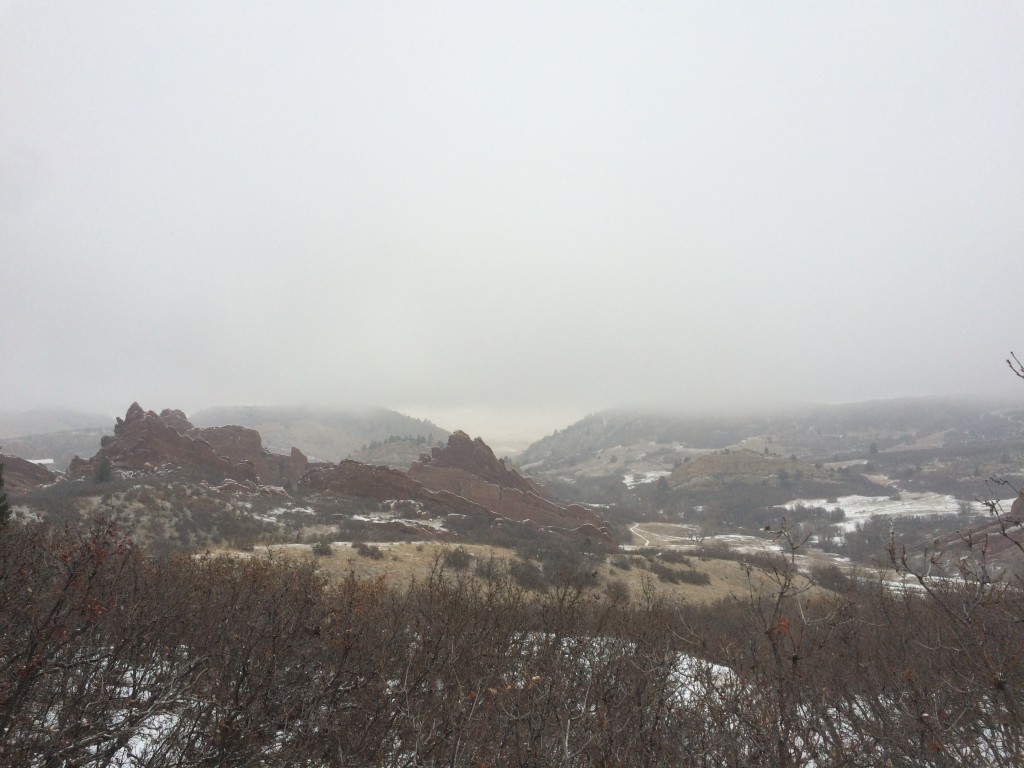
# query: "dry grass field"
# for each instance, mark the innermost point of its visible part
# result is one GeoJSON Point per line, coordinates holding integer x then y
{"type": "Point", "coordinates": [402, 563]}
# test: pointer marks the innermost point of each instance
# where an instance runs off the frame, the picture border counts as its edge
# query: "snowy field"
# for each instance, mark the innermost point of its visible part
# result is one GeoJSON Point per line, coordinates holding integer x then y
{"type": "Point", "coordinates": [860, 508]}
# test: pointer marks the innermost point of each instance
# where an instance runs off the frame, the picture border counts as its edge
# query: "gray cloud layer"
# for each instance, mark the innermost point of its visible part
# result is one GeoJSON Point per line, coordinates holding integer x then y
{"type": "Point", "coordinates": [559, 206]}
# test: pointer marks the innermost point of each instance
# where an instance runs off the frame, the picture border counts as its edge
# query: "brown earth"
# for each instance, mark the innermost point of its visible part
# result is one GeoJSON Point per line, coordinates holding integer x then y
{"type": "Point", "coordinates": [21, 474]}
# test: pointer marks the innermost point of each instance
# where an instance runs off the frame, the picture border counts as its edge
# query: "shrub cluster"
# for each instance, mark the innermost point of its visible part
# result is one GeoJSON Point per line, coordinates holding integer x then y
{"type": "Point", "coordinates": [112, 656]}
{"type": "Point", "coordinates": [371, 551]}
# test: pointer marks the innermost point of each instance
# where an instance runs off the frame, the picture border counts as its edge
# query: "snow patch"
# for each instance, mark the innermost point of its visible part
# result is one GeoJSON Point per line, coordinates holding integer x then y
{"type": "Point", "coordinates": [633, 479]}
{"type": "Point", "coordinates": [905, 504]}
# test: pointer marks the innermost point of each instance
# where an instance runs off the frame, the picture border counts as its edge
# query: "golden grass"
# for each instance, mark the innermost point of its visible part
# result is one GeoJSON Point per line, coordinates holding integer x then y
{"type": "Point", "coordinates": [404, 562]}
{"type": "Point", "coordinates": [753, 467]}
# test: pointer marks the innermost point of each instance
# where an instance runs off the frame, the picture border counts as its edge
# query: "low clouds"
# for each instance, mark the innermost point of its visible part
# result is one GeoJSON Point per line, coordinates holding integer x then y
{"type": "Point", "coordinates": [525, 208]}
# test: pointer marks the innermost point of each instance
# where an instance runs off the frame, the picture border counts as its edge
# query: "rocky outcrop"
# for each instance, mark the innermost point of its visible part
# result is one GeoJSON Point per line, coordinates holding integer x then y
{"type": "Point", "coordinates": [464, 457]}
{"type": "Point", "coordinates": [463, 480]}
{"type": "Point", "coordinates": [236, 444]}
{"type": "Point", "coordinates": [469, 469]}
{"type": "Point", "coordinates": [21, 474]}
{"type": "Point", "coordinates": [297, 465]}
{"type": "Point", "coordinates": [241, 444]}
{"type": "Point", "coordinates": [176, 419]}
{"type": "Point", "coordinates": [146, 442]}
{"type": "Point", "coordinates": [499, 505]}
{"type": "Point", "coordinates": [352, 478]}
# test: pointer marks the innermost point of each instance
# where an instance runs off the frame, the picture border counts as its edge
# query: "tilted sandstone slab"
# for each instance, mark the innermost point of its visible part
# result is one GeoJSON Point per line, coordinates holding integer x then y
{"type": "Point", "coordinates": [468, 468]}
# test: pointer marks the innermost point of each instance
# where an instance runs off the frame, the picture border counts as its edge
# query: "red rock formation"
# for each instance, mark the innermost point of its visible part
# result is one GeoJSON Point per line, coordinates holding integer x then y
{"type": "Point", "coordinates": [463, 479]}
{"type": "Point", "coordinates": [465, 456]}
{"type": "Point", "coordinates": [176, 419]}
{"type": "Point", "coordinates": [297, 465]}
{"type": "Point", "coordinates": [353, 478]}
{"type": "Point", "coordinates": [143, 441]}
{"type": "Point", "coordinates": [242, 444]}
{"type": "Point", "coordinates": [468, 468]}
{"type": "Point", "coordinates": [21, 474]}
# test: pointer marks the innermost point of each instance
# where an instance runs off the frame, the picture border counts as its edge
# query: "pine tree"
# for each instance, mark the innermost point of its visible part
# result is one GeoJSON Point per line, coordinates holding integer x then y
{"type": "Point", "coordinates": [5, 507]}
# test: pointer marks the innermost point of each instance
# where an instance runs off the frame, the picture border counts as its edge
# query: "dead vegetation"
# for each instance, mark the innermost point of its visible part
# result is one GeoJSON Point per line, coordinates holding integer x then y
{"type": "Point", "coordinates": [112, 656]}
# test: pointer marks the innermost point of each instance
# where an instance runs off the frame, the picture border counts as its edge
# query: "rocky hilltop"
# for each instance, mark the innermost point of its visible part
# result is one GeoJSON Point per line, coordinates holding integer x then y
{"type": "Point", "coordinates": [469, 469]}
{"type": "Point", "coordinates": [59, 447]}
{"type": "Point", "coordinates": [144, 441]}
{"type": "Point", "coordinates": [466, 461]}
{"type": "Point", "coordinates": [461, 481]}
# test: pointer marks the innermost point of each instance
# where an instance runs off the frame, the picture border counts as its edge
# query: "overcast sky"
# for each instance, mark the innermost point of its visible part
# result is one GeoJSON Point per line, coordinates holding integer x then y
{"type": "Point", "coordinates": [483, 211]}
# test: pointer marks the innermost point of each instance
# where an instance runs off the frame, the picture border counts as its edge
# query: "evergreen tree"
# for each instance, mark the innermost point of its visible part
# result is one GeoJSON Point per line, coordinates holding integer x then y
{"type": "Point", "coordinates": [104, 472]}
{"type": "Point", "coordinates": [5, 507]}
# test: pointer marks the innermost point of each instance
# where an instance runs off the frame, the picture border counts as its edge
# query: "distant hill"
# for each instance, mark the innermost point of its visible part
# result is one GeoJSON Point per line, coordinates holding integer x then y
{"type": "Point", "coordinates": [52, 433]}
{"type": "Point", "coordinates": [59, 446]}
{"type": "Point", "coordinates": [812, 430]}
{"type": "Point", "coordinates": [322, 434]}
{"type": "Point", "coordinates": [396, 452]}
{"type": "Point", "coordinates": [41, 421]}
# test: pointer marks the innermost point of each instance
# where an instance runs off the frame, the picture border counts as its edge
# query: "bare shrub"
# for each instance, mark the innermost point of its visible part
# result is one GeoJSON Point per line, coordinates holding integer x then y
{"type": "Point", "coordinates": [458, 559]}
{"type": "Point", "coordinates": [527, 575]}
{"type": "Point", "coordinates": [371, 551]}
{"type": "Point", "coordinates": [112, 656]}
{"type": "Point", "coordinates": [675, 557]}
{"type": "Point", "coordinates": [622, 562]}
{"type": "Point", "coordinates": [617, 591]}
{"type": "Point", "coordinates": [697, 578]}
{"type": "Point", "coordinates": [831, 577]}
{"type": "Point", "coordinates": [322, 548]}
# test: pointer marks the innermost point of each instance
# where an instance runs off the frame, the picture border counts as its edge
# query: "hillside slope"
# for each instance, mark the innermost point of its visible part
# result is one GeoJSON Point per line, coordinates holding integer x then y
{"type": "Point", "coordinates": [322, 434]}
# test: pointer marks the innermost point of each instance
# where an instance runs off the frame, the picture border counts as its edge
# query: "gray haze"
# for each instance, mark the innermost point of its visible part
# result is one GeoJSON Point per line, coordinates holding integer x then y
{"type": "Point", "coordinates": [506, 209]}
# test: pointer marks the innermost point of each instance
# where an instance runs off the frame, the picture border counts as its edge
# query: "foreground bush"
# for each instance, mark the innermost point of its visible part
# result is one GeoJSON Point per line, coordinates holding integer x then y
{"type": "Point", "coordinates": [109, 656]}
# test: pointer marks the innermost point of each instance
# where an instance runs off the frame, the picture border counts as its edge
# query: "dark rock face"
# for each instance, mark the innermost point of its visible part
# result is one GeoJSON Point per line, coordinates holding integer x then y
{"type": "Point", "coordinates": [468, 468]}
{"type": "Point", "coordinates": [297, 465]}
{"type": "Point", "coordinates": [176, 419]}
{"type": "Point", "coordinates": [21, 474]}
{"type": "Point", "coordinates": [352, 478]}
{"type": "Point", "coordinates": [475, 458]}
{"type": "Point", "coordinates": [233, 443]}
{"type": "Point", "coordinates": [241, 444]}
{"type": "Point", "coordinates": [144, 441]}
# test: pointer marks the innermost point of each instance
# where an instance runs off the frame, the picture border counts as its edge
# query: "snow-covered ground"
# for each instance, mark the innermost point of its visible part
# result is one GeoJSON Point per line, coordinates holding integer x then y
{"type": "Point", "coordinates": [860, 508]}
{"type": "Point", "coordinates": [737, 541]}
{"type": "Point", "coordinates": [272, 515]}
{"type": "Point", "coordinates": [633, 479]}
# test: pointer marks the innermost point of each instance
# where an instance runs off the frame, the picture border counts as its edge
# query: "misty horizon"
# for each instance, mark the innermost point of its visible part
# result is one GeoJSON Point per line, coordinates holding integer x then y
{"type": "Point", "coordinates": [510, 216]}
{"type": "Point", "coordinates": [505, 431]}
